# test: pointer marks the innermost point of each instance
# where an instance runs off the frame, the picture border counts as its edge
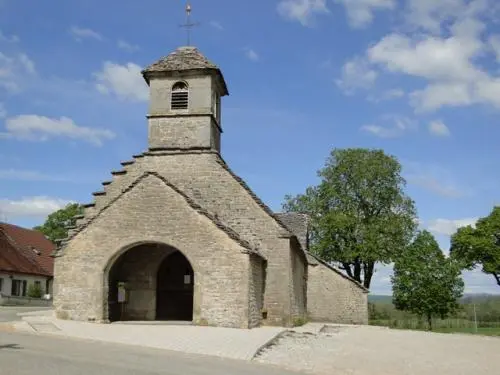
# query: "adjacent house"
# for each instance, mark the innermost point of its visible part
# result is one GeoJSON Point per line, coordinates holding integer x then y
{"type": "Point", "coordinates": [25, 259]}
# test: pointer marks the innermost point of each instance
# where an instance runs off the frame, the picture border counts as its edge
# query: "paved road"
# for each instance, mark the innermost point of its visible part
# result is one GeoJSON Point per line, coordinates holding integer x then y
{"type": "Point", "coordinates": [9, 313]}
{"type": "Point", "coordinates": [24, 354]}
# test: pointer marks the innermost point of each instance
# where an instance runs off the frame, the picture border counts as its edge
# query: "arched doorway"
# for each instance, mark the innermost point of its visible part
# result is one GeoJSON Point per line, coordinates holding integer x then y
{"type": "Point", "coordinates": [158, 281]}
{"type": "Point", "coordinates": [174, 291]}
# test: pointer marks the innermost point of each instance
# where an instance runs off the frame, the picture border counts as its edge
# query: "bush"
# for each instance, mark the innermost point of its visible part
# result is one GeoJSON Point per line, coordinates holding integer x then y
{"type": "Point", "coordinates": [35, 291]}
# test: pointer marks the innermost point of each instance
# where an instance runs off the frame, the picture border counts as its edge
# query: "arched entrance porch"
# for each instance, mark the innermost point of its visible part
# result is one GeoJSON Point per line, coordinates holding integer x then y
{"type": "Point", "coordinates": [158, 281]}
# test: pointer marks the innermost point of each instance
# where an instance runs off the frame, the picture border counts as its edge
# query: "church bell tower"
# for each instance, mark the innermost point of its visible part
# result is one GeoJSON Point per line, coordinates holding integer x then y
{"type": "Point", "coordinates": [185, 102]}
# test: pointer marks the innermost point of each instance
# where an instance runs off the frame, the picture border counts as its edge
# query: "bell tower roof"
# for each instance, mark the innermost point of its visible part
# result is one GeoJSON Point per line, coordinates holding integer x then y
{"type": "Point", "coordinates": [184, 61]}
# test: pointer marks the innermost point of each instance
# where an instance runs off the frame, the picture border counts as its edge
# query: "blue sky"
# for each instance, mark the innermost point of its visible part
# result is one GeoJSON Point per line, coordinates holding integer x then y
{"type": "Point", "coordinates": [418, 78]}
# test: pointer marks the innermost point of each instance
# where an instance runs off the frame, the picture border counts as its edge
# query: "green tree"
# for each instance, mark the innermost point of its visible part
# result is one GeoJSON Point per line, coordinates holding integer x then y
{"type": "Point", "coordinates": [55, 225]}
{"type": "Point", "coordinates": [359, 212]}
{"type": "Point", "coordinates": [34, 291]}
{"type": "Point", "coordinates": [480, 245]}
{"type": "Point", "coordinates": [425, 282]}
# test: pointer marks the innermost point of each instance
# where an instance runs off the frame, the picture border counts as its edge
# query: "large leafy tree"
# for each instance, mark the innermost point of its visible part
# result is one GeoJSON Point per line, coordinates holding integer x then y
{"type": "Point", "coordinates": [359, 212]}
{"type": "Point", "coordinates": [55, 225]}
{"type": "Point", "coordinates": [480, 245]}
{"type": "Point", "coordinates": [425, 282]}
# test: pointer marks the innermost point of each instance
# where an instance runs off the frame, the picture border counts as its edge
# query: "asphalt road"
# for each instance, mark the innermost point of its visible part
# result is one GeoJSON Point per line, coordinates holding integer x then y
{"type": "Point", "coordinates": [26, 354]}
{"type": "Point", "coordinates": [9, 313]}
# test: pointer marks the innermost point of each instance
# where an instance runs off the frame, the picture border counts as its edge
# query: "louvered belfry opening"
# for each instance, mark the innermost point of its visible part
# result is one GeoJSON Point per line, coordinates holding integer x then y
{"type": "Point", "coordinates": [180, 96]}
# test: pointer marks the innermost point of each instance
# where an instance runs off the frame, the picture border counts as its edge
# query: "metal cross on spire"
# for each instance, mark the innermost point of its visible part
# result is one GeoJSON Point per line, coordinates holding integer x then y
{"type": "Point", "coordinates": [189, 25]}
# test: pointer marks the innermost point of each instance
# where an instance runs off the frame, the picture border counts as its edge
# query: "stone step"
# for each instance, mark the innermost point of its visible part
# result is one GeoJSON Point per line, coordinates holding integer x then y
{"type": "Point", "coordinates": [43, 326]}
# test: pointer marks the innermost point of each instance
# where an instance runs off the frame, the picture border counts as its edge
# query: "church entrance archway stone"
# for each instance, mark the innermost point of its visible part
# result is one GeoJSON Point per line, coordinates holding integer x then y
{"type": "Point", "coordinates": [147, 282]}
{"type": "Point", "coordinates": [175, 286]}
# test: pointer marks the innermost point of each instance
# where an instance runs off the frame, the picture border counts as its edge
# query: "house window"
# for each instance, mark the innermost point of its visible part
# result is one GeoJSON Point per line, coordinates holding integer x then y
{"type": "Point", "coordinates": [18, 288]}
{"type": "Point", "coordinates": [180, 96]}
{"type": "Point", "coordinates": [38, 284]}
{"type": "Point", "coordinates": [1, 285]}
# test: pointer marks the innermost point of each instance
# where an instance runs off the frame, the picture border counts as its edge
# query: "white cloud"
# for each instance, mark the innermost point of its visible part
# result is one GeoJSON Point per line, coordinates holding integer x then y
{"type": "Point", "coordinates": [124, 81]}
{"type": "Point", "coordinates": [216, 25]}
{"type": "Point", "coordinates": [431, 15]}
{"type": "Point", "coordinates": [303, 11]}
{"type": "Point", "coordinates": [23, 175]}
{"type": "Point", "coordinates": [27, 63]}
{"type": "Point", "coordinates": [447, 64]}
{"type": "Point", "coordinates": [439, 128]}
{"type": "Point", "coordinates": [80, 33]}
{"type": "Point", "coordinates": [432, 58]}
{"type": "Point", "coordinates": [13, 69]}
{"type": "Point", "coordinates": [39, 206]}
{"type": "Point", "coordinates": [494, 42]}
{"type": "Point", "coordinates": [437, 95]}
{"type": "Point", "coordinates": [448, 227]}
{"type": "Point", "coordinates": [386, 95]}
{"type": "Point", "coordinates": [252, 55]}
{"type": "Point", "coordinates": [396, 127]}
{"type": "Point", "coordinates": [444, 53]}
{"type": "Point", "coordinates": [433, 178]}
{"type": "Point", "coordinates": [8, 38]}
{"type": "Point", "coordinates": [360, 12]}
{"type": "Point", "coordinates": [436, 186]}
{"type": "Point", "coordinates": [41, 128]}
{"type": "Point", "coordinates": [356, 74]}
{"type": "Point", "coordinates": [127, 46]}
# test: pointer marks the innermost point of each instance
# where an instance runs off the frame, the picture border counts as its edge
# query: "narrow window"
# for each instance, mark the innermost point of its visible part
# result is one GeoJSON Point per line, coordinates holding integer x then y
{"type": "Point", "coordinates": [180, 96]}
{"type": "Point", "coordinates": [16, 288]}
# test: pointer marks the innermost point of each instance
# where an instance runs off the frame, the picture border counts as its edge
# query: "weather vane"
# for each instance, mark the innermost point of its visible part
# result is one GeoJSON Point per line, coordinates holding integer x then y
{"type": "Point", "coordinates": [189, 25]}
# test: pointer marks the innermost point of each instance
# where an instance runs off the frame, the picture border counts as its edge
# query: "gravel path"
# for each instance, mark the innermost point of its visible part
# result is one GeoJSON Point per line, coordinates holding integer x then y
{"type": "Point", "coordinates": [381, 351]}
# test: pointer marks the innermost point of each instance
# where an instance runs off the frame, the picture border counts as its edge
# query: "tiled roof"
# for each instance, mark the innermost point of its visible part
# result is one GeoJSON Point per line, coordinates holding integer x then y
{"type": "Point", "coordinates": [25, 251]}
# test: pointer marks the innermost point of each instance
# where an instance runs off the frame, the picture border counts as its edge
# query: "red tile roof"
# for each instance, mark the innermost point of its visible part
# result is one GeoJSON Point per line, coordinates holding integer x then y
{"type": "Point", "coordinates": [25, 251]}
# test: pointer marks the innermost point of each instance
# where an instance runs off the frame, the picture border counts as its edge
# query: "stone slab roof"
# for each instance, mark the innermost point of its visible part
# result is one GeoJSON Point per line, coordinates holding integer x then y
{"type": "Point", "coordinates": [298, 224]}
{"type": "Point", "coordinates": [183, 59]}
{"type": "Point", "coordinates": [314, 260]}
{"type": "Point", "coordinates": [248, 248]}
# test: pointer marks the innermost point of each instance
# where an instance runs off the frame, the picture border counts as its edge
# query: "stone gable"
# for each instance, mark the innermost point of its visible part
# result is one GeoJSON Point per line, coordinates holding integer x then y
{"type": "Point", "coordinates": [150, 211]}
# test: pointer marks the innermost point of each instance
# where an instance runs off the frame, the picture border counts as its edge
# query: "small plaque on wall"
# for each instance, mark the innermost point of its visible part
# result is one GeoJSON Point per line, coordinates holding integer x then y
{"type": "Point", "coordinates": [187, 279]}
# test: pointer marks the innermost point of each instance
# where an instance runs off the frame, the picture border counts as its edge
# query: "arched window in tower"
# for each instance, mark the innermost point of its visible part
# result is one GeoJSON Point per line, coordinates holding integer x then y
{"type": "Point", "coordinates": [180, 96]}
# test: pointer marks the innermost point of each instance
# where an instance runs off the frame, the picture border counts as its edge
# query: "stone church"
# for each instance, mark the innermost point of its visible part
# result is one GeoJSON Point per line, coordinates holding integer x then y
{"type": "Point", "coordinates": [177, 235]}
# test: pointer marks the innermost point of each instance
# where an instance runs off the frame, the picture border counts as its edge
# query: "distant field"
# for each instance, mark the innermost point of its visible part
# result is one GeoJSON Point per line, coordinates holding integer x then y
{"type": "Point", "coordinates": [442, 326]}
{"type": "Point", "coordinates": [484, 308]}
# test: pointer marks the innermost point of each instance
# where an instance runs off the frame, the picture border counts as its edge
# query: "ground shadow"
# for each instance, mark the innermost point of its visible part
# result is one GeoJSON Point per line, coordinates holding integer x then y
{"type": "Point", "coordinates": [10, 346]}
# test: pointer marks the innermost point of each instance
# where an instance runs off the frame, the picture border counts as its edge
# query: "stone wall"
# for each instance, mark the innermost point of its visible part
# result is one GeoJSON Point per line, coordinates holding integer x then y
{"type": "Point", "coordinates": [182, 132]}
{"type": "Point", "coordinates": [160, 214]}
{"type": "Point", "coordinates": [206, 179]}
{"type": "Point", "coordinates": [256, 291]}
{"type": "Point", "coordinates": [298, 266]}
{"type": "Point", "coordinates": [332, 297]}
